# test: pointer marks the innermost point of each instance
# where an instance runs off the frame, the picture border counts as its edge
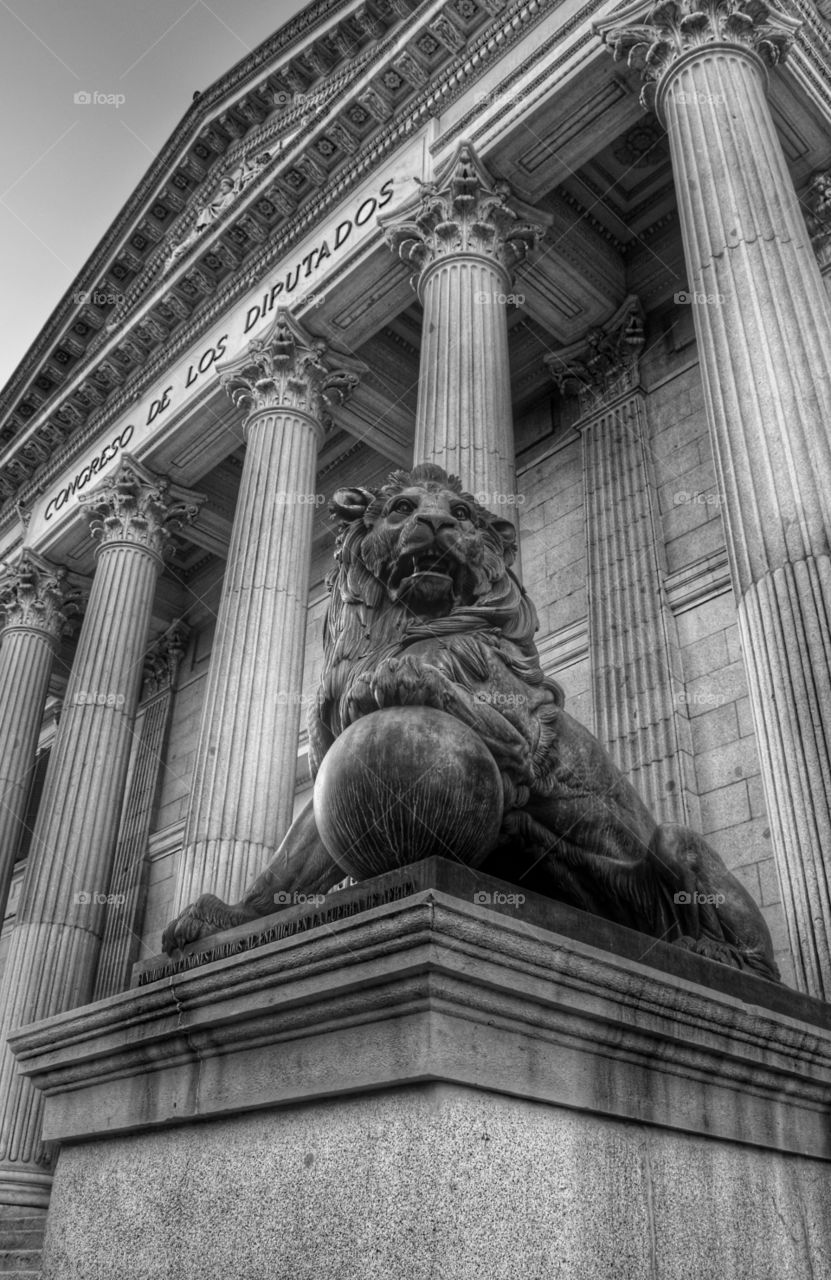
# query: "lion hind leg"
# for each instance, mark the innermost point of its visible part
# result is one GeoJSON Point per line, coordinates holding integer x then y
{"type": "Point", "coordinates": [716, 915]}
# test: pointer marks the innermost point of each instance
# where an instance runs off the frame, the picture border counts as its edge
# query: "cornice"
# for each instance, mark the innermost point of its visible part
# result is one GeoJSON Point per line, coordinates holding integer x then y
{"type": "Point", "coordinates": [444, 88]}
{"type": "Point", "coordinates": [201, 111]}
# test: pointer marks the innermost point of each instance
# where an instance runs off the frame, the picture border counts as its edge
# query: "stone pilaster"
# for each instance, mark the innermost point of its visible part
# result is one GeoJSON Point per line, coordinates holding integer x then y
{"type": "Point", "coordinates": [128, 886]}
{"type": "Point", "coordinates": [246, 759]}
{"type": "Point", "coordinates": [54, 946]}
{"type": "Point", "coordinates": [764, 337]}
{"type": "Point", "coordinates": [464, 234]}
{"type": "Point", "coordinates": [635, 670]}
{"type": "Point", "coordinates": [36, 601]}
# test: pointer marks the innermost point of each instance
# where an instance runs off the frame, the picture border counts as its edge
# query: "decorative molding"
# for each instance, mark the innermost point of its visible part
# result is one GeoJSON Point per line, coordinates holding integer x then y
{"type": "Point", "coordinates": [654, 36]}
{"type": "Point", "coordinates": [38, 596]}
{"type": "Point", "coordinates": [463, 210]}
{"type": "Point", "coordinates": [289, 368]}
{"type": "Point", "coordinates": [698, 582]}
{"type": "Point", "coordinates": [137, 506]}
{"type": "Point", "coordinates": [605, 363]}
{"type": "Point", "coordinates": [565, 647]}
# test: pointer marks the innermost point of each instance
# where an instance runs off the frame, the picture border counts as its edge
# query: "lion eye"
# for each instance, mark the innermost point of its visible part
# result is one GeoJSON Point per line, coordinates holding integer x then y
{"type": "Point", "coordinates": [403, 506]}
{"type": "Point", "coordinates": [459, 512]}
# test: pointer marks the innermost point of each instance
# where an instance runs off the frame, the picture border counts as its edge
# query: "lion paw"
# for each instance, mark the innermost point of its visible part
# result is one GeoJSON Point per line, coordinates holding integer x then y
{"type": "Point", "coordinates": [709, 948]}
{"type": "Point", "coordinates": [398, 682]}
{"type": "Point", "coordinates": [205, 916]}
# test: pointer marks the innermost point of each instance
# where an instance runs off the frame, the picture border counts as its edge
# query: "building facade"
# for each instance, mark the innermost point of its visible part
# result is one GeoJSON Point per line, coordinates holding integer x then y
{"type": "Point", "coordinates": [574, 254]}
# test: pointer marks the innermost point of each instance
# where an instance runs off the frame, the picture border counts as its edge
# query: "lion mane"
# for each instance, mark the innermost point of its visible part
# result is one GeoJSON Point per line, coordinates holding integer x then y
{"type": "Point", "coordinates": [364, 625]}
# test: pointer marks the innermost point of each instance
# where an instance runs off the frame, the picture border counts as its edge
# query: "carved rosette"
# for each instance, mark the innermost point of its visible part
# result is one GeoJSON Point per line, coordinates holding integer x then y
{"type": "Point", "coordinates": [463, 211]}
{"type": "Point", "coordinates": [288, 368]}
{"type": "Point", "coordinates": [38, 596]}
{"type": "Point", "coordinates": [606, 362]}
{"type": "Point", "coordinates": [134, 505]}
{"type": "Point", "coordinates": [653, 37]}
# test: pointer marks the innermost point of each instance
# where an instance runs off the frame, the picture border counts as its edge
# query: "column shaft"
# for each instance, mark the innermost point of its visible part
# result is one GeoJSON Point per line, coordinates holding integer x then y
{"type": "Point", "coordinates": [35, 598]}
{"type": "Point", "coordinates": [25, 664]}
{"type": "Point", "coordinates": [246, 763]}
{"type": "Point", "coordinates": [464, 418]}
{"type": "Point", "coordinates": [764, 339]}
{"type": "Point", "coordinates": [246, 758]}
{"type": "Point", "coordinates": [54, 946]}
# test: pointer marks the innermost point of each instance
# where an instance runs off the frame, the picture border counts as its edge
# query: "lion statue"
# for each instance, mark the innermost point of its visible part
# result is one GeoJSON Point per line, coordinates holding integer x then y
{"type": "Point", "coordinates": [425, 610]}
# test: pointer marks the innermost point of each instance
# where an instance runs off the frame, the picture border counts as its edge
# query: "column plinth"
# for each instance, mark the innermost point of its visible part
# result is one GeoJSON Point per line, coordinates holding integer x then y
{"type": "Point", "coordinates": [464, 233]}
{"type": "Point", "coordinates": [54, 946]}
{"type": "Point", "coordinates": [246, 761]}
{"type": "Point", "coordinates": [762, 323]}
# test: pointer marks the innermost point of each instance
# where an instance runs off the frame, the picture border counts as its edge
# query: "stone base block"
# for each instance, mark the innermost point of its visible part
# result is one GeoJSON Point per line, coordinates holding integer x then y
{"type": "Point", "coordinates": [434, 1090]}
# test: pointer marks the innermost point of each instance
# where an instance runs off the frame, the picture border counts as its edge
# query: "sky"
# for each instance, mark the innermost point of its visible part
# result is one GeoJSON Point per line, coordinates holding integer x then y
{"type": "Point", "coordinates": [68, 167]}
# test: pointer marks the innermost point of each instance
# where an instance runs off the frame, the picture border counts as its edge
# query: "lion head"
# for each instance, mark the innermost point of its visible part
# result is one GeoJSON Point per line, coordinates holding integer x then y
{"type": "Point", "coordinates": [425, 541]}
{"type": "Point", "coordinates": [418, 558]}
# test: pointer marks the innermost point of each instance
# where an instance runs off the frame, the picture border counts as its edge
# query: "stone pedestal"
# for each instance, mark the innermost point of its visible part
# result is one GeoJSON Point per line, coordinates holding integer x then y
{"type": "Point", "coordinates": [434, 1087]}
{"type": "Point", "coordinates": [35, 600]}
{"type": "Point", "coordinates": [246, 758]}
{"type": "Point", "coordinates": [464, 234]}
{"type": "Point", "coordinates": [763, 326]}
{"type": "Point", "coordinates": [54, 946]}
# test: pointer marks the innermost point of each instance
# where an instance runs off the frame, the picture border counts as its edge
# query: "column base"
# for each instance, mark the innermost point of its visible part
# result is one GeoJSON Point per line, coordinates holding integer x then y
{"type": "Point", "coordinates": [432, 1089]}
{"type": "Point", "coordinates": [20, 1189]}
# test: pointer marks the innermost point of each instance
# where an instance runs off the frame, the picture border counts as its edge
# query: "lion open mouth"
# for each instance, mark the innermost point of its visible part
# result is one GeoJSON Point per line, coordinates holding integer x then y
{"type": "Point", "coordinates": [425, 579]}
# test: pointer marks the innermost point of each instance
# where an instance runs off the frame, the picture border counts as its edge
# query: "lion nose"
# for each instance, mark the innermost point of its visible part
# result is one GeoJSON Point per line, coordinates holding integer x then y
{"type": "Point", "coordinates": [436, 520]}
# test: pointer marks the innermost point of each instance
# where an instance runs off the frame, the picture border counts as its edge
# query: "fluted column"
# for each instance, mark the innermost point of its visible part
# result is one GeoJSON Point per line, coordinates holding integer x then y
{"type": "Point", "coordinates": [764, 336]}
{"type": "Point", "coordinates": [54, 946]}
{"type": "Point", "coordinates": [634, 657]}
{"type": "Point", "coordinates": [128, 885]}
{"type": "Point", "coordinates": [464, 234]}
{"type": "Point", "coordinates": [36, 599]}
{"type": "Point", "coordinates": [246, 759]}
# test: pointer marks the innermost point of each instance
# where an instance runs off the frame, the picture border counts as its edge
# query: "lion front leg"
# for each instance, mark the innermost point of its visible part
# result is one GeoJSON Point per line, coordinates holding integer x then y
{"type": "Point", "coordinates": [300, 865]}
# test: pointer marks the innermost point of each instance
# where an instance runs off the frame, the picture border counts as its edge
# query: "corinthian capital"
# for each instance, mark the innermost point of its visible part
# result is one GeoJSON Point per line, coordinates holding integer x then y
{"type": "Point", "coordinates": [653, 37]}
{"type": "Point", "coordinates": [39, 596]}
{"type": "Point", "coordinates": [463, 210]}
{"type": "Point", "coordinates": [137, 506]}
{"type": "Point", "coordinates": [290, 368]}
{"type": "Point", "coordinates": [605, 363]}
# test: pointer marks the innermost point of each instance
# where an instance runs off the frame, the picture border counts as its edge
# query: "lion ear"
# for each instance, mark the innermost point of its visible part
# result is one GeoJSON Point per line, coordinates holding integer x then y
{"type": "Point", "coordinates": [350, 504]}
{"type": "Point", "coordinates": [506, 533]}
